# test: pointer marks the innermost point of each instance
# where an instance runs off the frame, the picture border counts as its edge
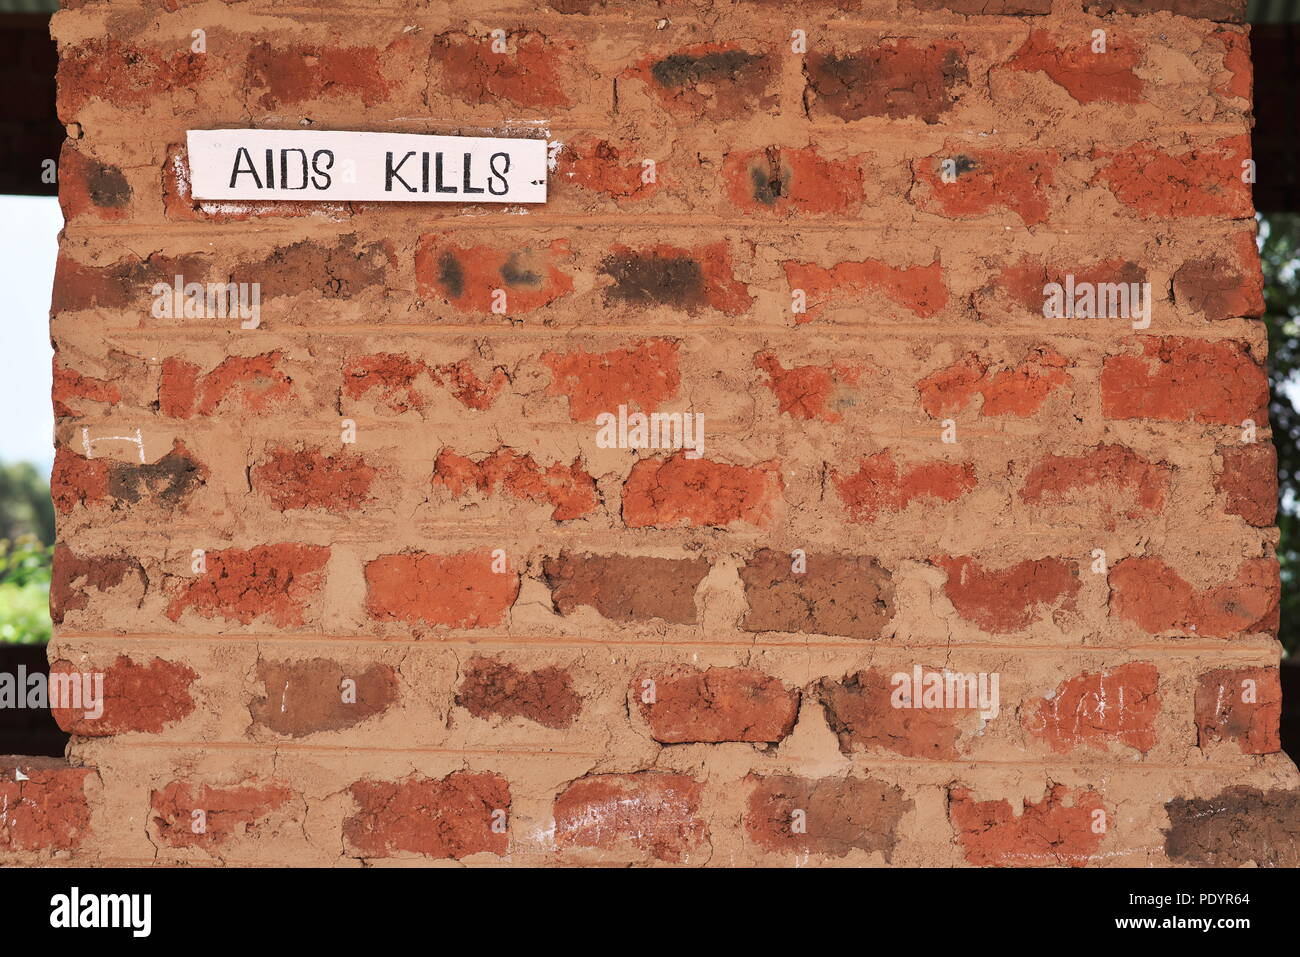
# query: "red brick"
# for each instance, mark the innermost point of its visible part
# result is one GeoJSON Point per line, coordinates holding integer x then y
{"type": "Point", "coordinates": [569, 489]}
{"type": "Point", "coordinates": [896, 79]}
{"type": "Point", "coordinates": [70, 385]}
{"type": "Point", "coordinates": [395, 377]}
{"type": "Point", "coordinates": [792, 181]}
{"type": "Point", "coordinates": [642, 376]}
{"type": "Point", "coordinates": [1004, 600]}
{"type": "Point", "coordinates": [140, 697]}
{"type": "Point", "coordinates": [1202, 181]}
{"type": "Point", "coordinates": [1117, 705]}
{"type": "Point", "coordinates": [1106, 475]}
{"type": "Point", "coordinates": [1223, 714]}
{"type": "Point", "coordinates": [716, 704]}
{"type": "Point", "coordinates": [302, 478]}
{"type": "Point", "coordinates": [1088, 77]}
{"type": "Point", "coordinates": [119, 285]}
{"type": "Point", "coordinates": [1023, 280]}
{"type": "Point", "coordinates": [655, 812]}
{"type": "Point", "coordinates": [73, 576]}
{"type": "Point", "coordinates": [76, 480]}
{"type": "Point", "coordinates": [602, 167]}
{"type": "Point", "coordinates": [271, 581]}
{"type": "Point", "coordinates": [392, 375]}
{"type": "Point", "coordinates": [1248, 482]}
{"type": "Point", "coordinates": [1049, 833]}
{"type": "Point", "coordinates": [988, 181]}
{"type": "Point", "coordinates": [235, 811]}
{"type": "Point", "coordinates": [467, 277]}
{"type": "Point", "coordinates": [1151, 595]}
{"type": "Point", "coordinates": [665, 493]}
{"type": "Point", "coordinates": [625, 587]}
{"type": "Point", "coordinates": [467, 387]}
{"type": "Point", "coordinates": [839, 815]}
{"type": "Point", "coordinates": [499, 689]}
{"type": "Point", "coordinates": [715, 80]}
{"type": "Point", "coordinates": [87, 186]}
{"type": "Point", "coordinates": [458, 590]}
{"type": "Point", "coordinates": [305, 696]}
{"type": "Point", "coordinates": [987, 7]}
{"type": "Point", "coordinates": [1177, 379]}
{"type": "Point", "coordinates": [450, 817]}
{"type": "Point", "coordinates": [1225, 284]}
{"type": "Point", "coordinates": [1229, 11]}
{"type": "Point", "coordinates": [286, 75]}
{"type": "Point", "coordinates": [918, 289]}
{"type": "Point", "coordinates": [246, 383]}
{"type": "Point", "coordinates": [536, 73]}
{"type": "Point", "coordinates": [337, 269]}
{"type": "Point", "coordinates": [843, 595]}
{"type": "Point", "coordinates": [47, 812]}
{"type": "Point", "coordinates": [879, 486]}
{"type": "Point", "coordinates": [685, 279]}
{"type": "Point", "coordinates": [1236, 60]}
{"type": "Point", "coordinates": [1018, 390]}
{"type": "Point", "coordinates": [124, 75]}
{"type": "Point", "coordinates": [1240, 825]}
{"type": "Point", "coordinates": [811, 391]}
{"type": "Point", "coordinates": [860, 712]}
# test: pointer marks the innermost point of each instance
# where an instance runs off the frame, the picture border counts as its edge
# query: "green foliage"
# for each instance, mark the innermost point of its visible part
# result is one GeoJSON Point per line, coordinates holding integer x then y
{"type": "Point", "coordinates": [25, 591]}
{"type": "Point", "coordinates": [25, 506]}
{"type": "Point", "coordinates": [1280, 250]}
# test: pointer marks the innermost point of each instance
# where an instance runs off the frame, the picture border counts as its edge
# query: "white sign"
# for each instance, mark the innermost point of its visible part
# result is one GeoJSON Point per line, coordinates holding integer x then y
{"type": "Point", "coordinates": [389, 167]}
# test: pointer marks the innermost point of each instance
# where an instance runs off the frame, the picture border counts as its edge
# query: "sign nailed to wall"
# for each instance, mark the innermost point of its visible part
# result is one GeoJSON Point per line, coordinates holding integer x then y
{"type": "Point", "coordinates": [387, 167]}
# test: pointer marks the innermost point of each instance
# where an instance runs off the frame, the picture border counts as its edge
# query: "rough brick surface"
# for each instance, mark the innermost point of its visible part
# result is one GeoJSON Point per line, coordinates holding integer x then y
{"type": "Point", "coordinates": [1056, 831]}
{"type": "Point", "coordinates": [309, 696]}
{"type": "Point", "coordinates": [650, 813]}
{"type": "Point", "coordinates": [138, 696]}
{"type": "Point", "coordinates": [451, 817]}
{"type": "Point", "coordinates": [623, 588]}
{"type": "Point", "coordinates": [828, 594]}
{"type": "Point", "coordinates": [47, 812]}
{"type": "Point", "coordinates": [830, 816]}
{"type": "Point", "coordinates": [495, 688]}
{"type": "Point", "coordinates": [719, 704]}
{"type": "Point", "coordinates": [963, 314]}
{"type": "Point", "coordinates": [1241, 705]}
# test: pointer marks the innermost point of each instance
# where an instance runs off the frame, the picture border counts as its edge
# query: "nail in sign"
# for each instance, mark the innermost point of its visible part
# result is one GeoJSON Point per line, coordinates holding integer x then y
{"type": "Point", "coordinates": [387, 167]}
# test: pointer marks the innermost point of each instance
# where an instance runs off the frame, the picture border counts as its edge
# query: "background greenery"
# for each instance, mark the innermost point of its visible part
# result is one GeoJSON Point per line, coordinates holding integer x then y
{"type": "Point", "coordinates": [1280, 247]}
{"type": "Point", "coordinates": [26, 540]}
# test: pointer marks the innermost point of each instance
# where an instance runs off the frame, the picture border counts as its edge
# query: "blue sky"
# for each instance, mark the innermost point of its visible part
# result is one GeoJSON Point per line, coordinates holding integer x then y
{"type": "Point", "coordinates": [28, 247]}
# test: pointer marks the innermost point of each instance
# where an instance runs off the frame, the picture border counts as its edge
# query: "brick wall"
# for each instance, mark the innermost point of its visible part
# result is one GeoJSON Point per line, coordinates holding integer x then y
{"type": "Point", "coordinates": [477, 634]}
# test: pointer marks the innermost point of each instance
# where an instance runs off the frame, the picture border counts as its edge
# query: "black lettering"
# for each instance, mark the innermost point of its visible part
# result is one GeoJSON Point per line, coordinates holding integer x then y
{"type": "Point", "coordinates": [284, 168]}
{"type": "Point", "coordinates": [468, 187]}
{"type": "Point", "coordinates": [437, 176]}
{"type": "Point", "coordinates": [499, 174]}
{"type": "Point", "coordinates": [317, 171]}
{"type": "Point", "coordinates": [270, 169]}
{"type": "Point", "coordinates": [424, 172]}
{"type": "Point", "coordinates": [243, 154]}
{"type": "Point", "coordinates": [391, 173]}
